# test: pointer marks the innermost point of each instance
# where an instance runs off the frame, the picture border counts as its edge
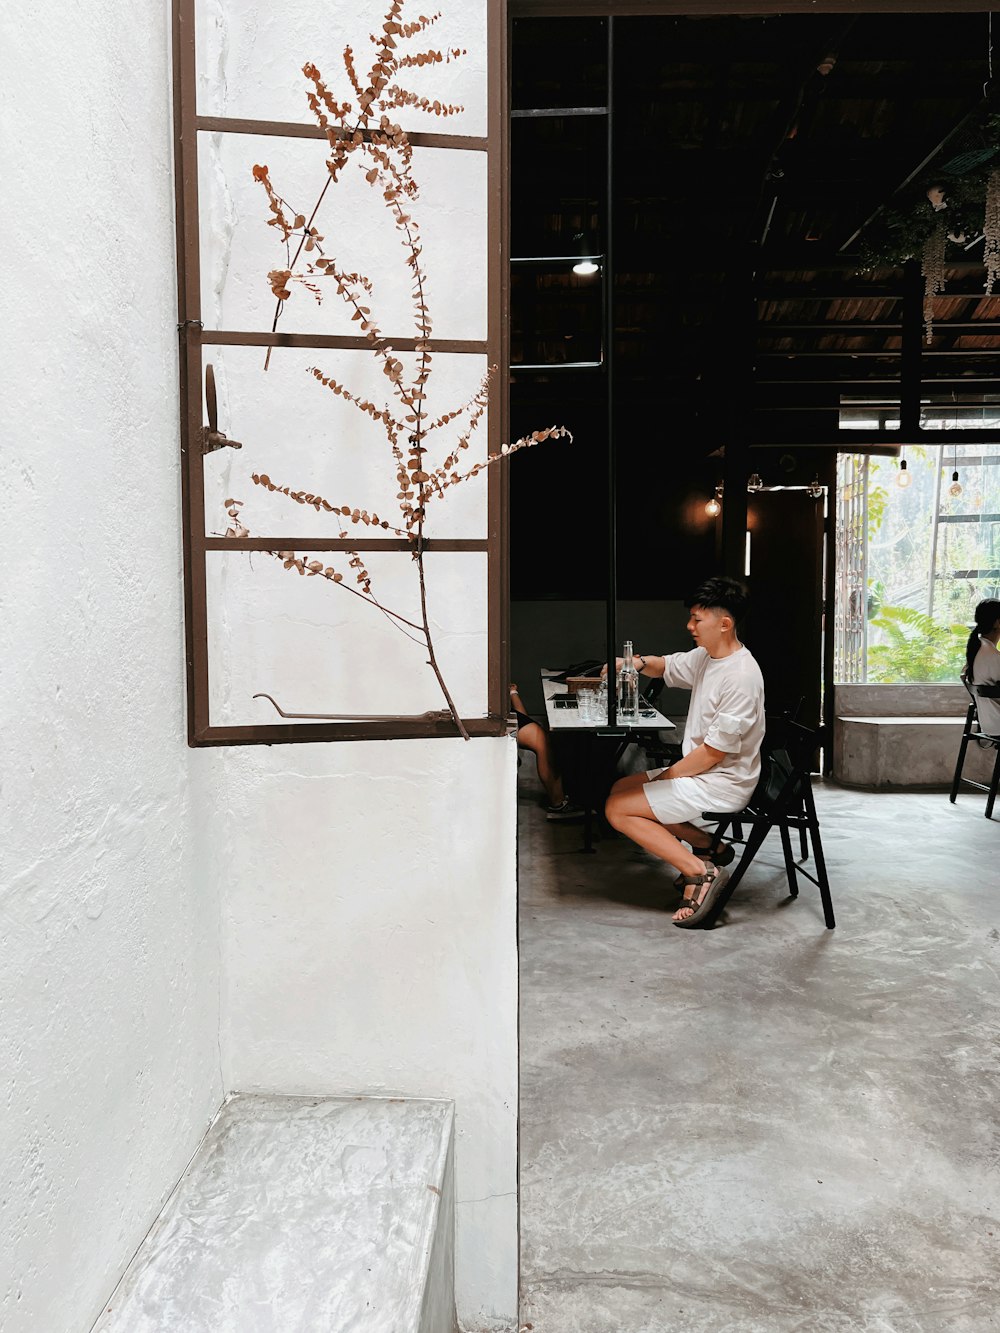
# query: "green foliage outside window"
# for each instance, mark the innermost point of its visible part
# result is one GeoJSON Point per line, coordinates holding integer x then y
{"type": "Point", "coordinates": [926, 574]}
{"type": "Point", "coordinates": [914, 647]}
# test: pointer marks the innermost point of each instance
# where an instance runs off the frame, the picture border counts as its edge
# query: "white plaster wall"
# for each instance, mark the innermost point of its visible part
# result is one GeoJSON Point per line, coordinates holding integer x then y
{"type": "Point", "coordinates": [369, 925]}
{"type": "Point", "coordinates": [109, 969]}
{"type": "Point", "coordinates": [368, 889]}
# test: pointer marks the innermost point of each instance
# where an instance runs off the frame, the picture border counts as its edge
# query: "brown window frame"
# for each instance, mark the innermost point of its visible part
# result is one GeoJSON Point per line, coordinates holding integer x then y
{"type": "Point", "coordinates": [194, 339]}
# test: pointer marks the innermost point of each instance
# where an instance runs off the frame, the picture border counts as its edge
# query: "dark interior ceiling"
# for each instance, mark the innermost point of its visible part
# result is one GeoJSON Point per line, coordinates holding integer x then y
{"type": "Point", "coordinates": [754, 159]}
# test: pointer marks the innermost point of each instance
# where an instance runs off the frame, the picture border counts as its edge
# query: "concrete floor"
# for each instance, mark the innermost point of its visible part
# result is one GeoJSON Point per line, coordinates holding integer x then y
{"type": "Point", "coordinates": [768, 1126]}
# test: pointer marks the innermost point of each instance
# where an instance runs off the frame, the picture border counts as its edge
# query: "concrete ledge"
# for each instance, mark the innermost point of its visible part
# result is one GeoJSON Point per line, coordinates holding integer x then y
{"type": "Point", "coordinates": [903, 753]}
{"type": "Point", "coordinates": [299, 1214]}
{"type": "Point", "coordinates": [935, 699]}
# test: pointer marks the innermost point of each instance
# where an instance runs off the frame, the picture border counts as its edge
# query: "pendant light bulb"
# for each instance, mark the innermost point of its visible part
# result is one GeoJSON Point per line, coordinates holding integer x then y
{"type": "Point", "coordinates": [956, 486]}
{"type": "Point", "coordinates": [815, 487]}
{"type": "Point", "coordinates": [714, 506]}
{"type": "Point", "coordinates": [903, 477]}
{"type": "Point", "coordinates": [754, 483]}
{"type": "Point", "coordinates": [584, 265]}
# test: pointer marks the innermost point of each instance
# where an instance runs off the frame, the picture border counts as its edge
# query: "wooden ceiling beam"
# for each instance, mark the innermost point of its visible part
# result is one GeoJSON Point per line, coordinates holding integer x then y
{"type": "Point", "coordinates": [965, 381]}
{"type": "Point", "coordinates": [816, 434]}
{"type": "Point", "coordinates": [848, 354]}
{"type": "Point", "coordinates": [856, 89]}
{"type": "Point", "coordinates": [950, 327]}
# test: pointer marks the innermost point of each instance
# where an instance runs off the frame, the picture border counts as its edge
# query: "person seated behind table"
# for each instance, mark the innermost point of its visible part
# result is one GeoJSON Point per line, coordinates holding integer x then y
{"type": "Point", "coordinates": [721, 749]}
{"type": "Point", "coordinates": [982, 664]}
{"type": "Point", "coordinates": [532, 736]}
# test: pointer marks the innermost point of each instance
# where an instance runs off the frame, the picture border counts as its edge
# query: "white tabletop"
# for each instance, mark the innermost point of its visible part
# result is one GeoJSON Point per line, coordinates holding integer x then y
{"type": "Point", "coordinates": [567, 719]}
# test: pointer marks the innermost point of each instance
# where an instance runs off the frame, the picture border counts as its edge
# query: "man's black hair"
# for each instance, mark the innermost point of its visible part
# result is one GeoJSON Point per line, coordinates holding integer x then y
{"type": "Point", "coordinates": [722, 594]}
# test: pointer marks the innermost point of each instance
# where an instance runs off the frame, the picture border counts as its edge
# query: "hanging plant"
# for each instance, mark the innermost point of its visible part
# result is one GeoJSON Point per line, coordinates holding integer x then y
{"type": "Point", "coordinates": [900, 233]}
{"type": "Point", "coordinates": [939, 213]}
{"type": "Point", "coordinates": [991, 229]}
{"type": "Point", "coordinates": [932, 269]}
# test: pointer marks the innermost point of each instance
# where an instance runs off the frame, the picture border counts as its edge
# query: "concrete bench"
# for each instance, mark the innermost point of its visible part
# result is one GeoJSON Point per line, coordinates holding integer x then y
{"type": "Point", "coordinates": [299, 1214]}
{"type": "Point", "coordinates": [901, 752]}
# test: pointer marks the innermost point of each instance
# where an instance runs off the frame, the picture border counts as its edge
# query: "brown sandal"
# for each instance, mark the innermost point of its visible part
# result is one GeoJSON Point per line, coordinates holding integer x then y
{"type": "Point", "coordinates": [707, 888]}
{"type": "Point", "coordinates": [721, 856]}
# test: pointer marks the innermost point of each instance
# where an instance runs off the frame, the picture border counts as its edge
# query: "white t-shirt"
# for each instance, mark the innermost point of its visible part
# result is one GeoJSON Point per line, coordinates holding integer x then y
{"type": "Point", "coordinates": [986, 671]}
{"type": "Point", "coordinates": [727, 713]}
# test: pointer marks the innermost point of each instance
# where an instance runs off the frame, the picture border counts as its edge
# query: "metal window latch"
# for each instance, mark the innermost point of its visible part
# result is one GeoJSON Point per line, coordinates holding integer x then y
{"type": "Point", "coordinates": [211, 436]}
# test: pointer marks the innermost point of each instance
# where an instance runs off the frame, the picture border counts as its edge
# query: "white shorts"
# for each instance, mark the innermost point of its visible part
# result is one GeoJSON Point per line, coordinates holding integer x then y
{"type": "Point", "coordinates": [678, 800]}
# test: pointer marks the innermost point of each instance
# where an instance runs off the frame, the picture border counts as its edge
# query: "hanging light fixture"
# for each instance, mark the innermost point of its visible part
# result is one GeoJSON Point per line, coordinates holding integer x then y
{"type": "Point", "coordinates": [585, 265]}
{"type": "Point", "coordinates": [754, 483]}
{"type": "Point", "coordinates": [936, 197]}
{"type": "Point", "coordinates": [714, 506]}
{"type": "Point", "coordinates": [955, 488]}
{"type": "Point", "coordinates": [815, 487]}
{"type": "Point", "coordinates": [903, 477]}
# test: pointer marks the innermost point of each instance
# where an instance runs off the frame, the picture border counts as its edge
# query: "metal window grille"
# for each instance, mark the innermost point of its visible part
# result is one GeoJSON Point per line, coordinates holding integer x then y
{"type": "Point", "coordinates": [850, 610]}
{"type": "Point", "coordinates": [195, 340]}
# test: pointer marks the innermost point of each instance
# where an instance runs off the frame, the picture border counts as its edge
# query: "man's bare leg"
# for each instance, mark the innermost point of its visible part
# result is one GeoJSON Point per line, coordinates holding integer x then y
{"type": "Point", "coordinates": [628, 811]}
{"type": "Point", "coordinates": [697, 837]}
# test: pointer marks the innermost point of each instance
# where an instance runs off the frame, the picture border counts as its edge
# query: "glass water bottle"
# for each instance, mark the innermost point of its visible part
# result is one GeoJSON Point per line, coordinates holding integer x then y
{"type": "Point", "coordinates": [628, 685]}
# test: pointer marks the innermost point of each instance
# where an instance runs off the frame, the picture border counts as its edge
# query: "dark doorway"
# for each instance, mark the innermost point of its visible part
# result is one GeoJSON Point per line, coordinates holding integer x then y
{"type": "Point", "coordinates": [785, 535]}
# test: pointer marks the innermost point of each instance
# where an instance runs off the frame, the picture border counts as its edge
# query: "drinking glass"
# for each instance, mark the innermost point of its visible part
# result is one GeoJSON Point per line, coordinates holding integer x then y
{"type": "Point", "coordinates": [586, 705]}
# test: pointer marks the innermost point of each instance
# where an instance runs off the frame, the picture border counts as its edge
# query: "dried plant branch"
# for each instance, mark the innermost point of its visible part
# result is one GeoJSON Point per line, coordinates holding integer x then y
{"type": "Point", "coordinates": [430, 58]}
{"type": "Point", "coordinates": [397, 96]}
{"type": "Point", "coordinates": [526, 442]}
{"type": "Point", "coordinates": [315, 568]}
{"type": "Point", "coordinates": [479, 401]}
{"type": "Point", "coordinates": [318, 503]}
{"type": "Point", "coordinates": [366, 132]}
{"type": "Point", "coordinates": [362, 404]}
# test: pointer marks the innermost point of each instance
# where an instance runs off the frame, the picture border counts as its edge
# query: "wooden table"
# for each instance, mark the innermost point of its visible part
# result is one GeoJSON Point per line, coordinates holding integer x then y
{"type": "Point", "coordinates": [561, 720]}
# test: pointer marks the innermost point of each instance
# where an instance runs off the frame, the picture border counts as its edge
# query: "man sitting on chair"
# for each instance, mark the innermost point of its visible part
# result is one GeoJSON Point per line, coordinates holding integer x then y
{"type": "Point", "coordinates": [721, 750]}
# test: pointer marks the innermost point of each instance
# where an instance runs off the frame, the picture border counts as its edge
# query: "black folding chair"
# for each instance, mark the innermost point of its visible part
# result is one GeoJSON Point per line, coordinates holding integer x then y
{"type": "Point", "coordinates": [783, 800]}
{"type": "Point", "coordinates": [972, 731]}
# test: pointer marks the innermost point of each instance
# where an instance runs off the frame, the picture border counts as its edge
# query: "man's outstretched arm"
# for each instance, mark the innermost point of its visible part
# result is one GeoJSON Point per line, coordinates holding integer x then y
{"type": "Point", "coordinates": [648, 664]}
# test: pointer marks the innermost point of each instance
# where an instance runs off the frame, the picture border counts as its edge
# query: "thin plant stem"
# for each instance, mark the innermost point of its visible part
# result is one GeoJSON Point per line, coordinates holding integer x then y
{"type": "Point", "coordinates": [432, 659]}
{"type": "Point", "coordinates": [419, 434]}
{"type": "Point", "coordinates": [369, 598]}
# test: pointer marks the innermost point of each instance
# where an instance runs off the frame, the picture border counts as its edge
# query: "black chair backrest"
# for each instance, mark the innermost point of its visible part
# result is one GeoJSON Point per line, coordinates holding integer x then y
{"type": "Point", "coordinates": [973, 713]}
{"type": "Point", "coordinates": [975, 692]}
{"type": "Point", "coordinates": [651, 689]}
{"type": "Point", "coordinates": [786, 757]}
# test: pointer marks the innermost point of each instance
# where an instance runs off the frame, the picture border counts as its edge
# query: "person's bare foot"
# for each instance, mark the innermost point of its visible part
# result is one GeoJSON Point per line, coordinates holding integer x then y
{"type": "Point", "coordinates": [701, 893]}
{"type": "Point", "coordinates": [693, 894]}
{"type": "Point", "coordinates": [721, 856]}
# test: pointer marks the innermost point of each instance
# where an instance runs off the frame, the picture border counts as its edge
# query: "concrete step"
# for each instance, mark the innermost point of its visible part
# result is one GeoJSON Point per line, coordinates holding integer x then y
{"type": "Point", "coordinates": [303, 1215]}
